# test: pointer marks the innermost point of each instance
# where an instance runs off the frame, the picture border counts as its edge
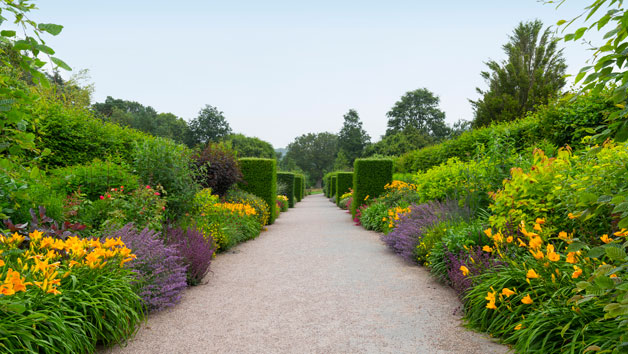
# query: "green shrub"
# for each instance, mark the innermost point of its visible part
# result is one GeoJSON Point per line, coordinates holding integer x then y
{"type": "Point", "coordinates": [369, 178]}
{"type": "Point", "coordinates": [373, 217]}
{"type": "Point", "coordinates": [332, 185]}
{"type": "Point", "coordinates": [299, 180]}
{"type": "Point", "coordinates": [260, 179]}
{"type": "Point", "coordinates": [162, 162]}
{"type": "Point", "coordinates": [327, 184]}
{"type": "Point", "coordinates": [344, 183]}
{"type": "Point", "coordinates": [236, 195]}
{"type": "Point", "coordinates": [38, 194]}
{"type": "Point", "coordinates": [93, 179]}
{"type": "Point", "coordinates": [287, 179]}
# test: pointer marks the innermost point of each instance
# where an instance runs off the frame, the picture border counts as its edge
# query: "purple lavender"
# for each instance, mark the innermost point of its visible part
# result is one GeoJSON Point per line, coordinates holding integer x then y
{"type": "Point", "coordinates": [410, 227]}
{"type": "Point", "coordinates": [481, 263]}
{"type": "Point", "coordinates": [195, 249]}
{"type": "Point", "coordinates": [160, 274]}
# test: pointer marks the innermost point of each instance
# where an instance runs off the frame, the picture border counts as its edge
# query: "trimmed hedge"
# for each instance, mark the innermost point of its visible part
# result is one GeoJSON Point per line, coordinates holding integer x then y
{"type": "Point", "coordinates": [298, 187]}
{"type": "Point", "coordinates": [369, 178]}
{"type": "Point", "coordinates": [327, 184]}
{"type": "Point", "coordinates": [332, 185]}
{"type": "Point", "coordinates": [344, 182]}
{"type": "Point", "coordinates": [260, 179]}
{"type": "Point", "coordinates": [288, 178]}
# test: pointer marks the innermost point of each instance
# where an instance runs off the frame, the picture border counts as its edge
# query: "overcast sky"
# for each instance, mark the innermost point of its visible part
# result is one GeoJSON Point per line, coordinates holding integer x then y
{"type": "Point", "coordinates": [279, 68]}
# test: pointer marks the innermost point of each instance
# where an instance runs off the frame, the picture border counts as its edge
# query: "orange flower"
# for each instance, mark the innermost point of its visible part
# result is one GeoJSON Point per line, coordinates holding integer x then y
{"type": "Point", "coordinates": [537, 227]}
{"type": "Point", "coordinates": [489, 232]}
{"type": "Point", "coordinates": [576, 273]}
{"type": "Point", "coordinates": [571, 257]}
{"type": "Point", "coordinates": [527, 300]}
{"type": "Point", "coordinates": [487, 249]}
{"type": "Point", "coordinates": [571, 216]}
{"type": "Point", "coordinates": [540, 221]}
{"type": "Point", "coordinates": [606, 239]}
{"type": "Point", "coordinates": [518, 327]}
{"type": "Point", "coordinates": [507, 292]}
{"type": "Point", "coordinates": [521, 243]}
{"type": "Point", "coordinates": [532, 274]}
{"type": "Point", "coordinates": [465, 270]}
{"type": "Point", "coordinates": [535, 243]}
{"type": "Point", "coordinates": [509, 239]}
{"type": "Point", "coordinates": [537, 255]}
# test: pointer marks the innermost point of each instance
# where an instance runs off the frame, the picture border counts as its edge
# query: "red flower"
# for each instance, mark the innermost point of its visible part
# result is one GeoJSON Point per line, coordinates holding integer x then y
{"type": "Point", "coordinates": [156, 193]}
{"type": "Point", "coordinates": [147, 186]}
{"type": "Point", "coordinates": [102, 197]}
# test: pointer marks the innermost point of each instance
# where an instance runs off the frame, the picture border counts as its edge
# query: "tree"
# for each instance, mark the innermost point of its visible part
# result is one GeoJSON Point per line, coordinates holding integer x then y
{"type": "Point", "coordinates": [352, 138]}
{"type": "Point", "coordinates": [417, 110]}
{"type": "Point", "coordinates": [247, 146]}
{"type": "Point", "coordinates": [532, 75]}
{"type": "Point", "coordinates": [314, 154]}
{"type": "Point", "coordinates": [209, 126]}
{"type": "Point", "coordinates": [609, 65]}
{"type": "Point", "coordinates": [399, 143]}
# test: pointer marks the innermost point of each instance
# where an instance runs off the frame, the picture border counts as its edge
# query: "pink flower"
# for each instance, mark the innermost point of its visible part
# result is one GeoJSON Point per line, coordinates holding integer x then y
{"type": "Point", "coordinates": [156, 193]}
{"type": "Point", "coordinates": [147, 186]}
{"type": "Point", "coordinates": [163, 208]}
{"type": "Point", "coordinates": [108, 195]}
{"type": "Point", "coordinates": [102, 197]}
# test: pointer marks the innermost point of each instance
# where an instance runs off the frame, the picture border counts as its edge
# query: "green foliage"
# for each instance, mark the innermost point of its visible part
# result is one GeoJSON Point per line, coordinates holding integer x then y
{"type": "Point", "coordinates": [399, 143]}
{"type": "Point", "coordinates": [247, 146]}
{"type": "Point", "coordinates": [373, 217]}
{"type": "Point", "coordinates": [313, 153]}
{"type": "Point", "coordinates": [236, 195]}
{"type": "Point", "coordinates": [332, 184]}
{"type": "Point", "coordinates": [260, 179]}
{"type": "Point", "coordinates": [93, 179]}
{"type": "Point", "coordinates": [352, 138]}
{"type": "Point", "coordinates": [344, 183]}
{"type": "Point", "coordinates": [209, 126]}
{"type": "Point", "coordinates": [417, 110]}
{"type": "Point", "coordinates": [369, 178]}
{"type": "Point", "coordinates": [532, 75]}
{"type": "Point", "coordinates": [218, 167]}
{"type": "Point", "coordinates": [162, 162]}
{"type": "Point", "coordinates": [299, 181]}
{"type": "Point", "coordinates": [288, 179]}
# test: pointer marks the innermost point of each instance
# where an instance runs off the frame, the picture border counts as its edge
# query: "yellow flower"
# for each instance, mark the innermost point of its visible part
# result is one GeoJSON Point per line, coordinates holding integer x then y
{"type": "Point", "coordinates": [540, 221]}
{"type": "Point", "coordinates": [367, 197]}
{"type": "Point", "coordinates": [554, 257]}
{"type": "Point", "coordinates": [537, 254]}
{"type": "Point", "coordinates": [509, 239]}
{"type": "Point", "coordinates": [487, 249]}
{"type": "Point", "coordinates": [1, 263]}
{"type": "Point", "coordinates": [521, 243]}
{"type": "Point", "coordinates": [532, 274]}
{"type": "Point", "coordinates": [507, 292]}
{"type": "Point", "coordinates": [535, 243]}
{"type": "Point", "coordinates": [490, 296]}
{"type": "Point", "coordinates": [527, 300]}
{"type": "Point", "coordinates": [571, 257]}
{"type": "Point", "coordinates": [571, 216]}
{"type": "Point", "coordinates": [577, 272]}
{"type": "Point", "coordinates": [518, 327]}
{"type": "Point", "coordinates": [606, 239]}
{"type": "Point", "coordinates": [488, 232]}
{"type": "Point", "coordinates": [537, 227]}
{"type": "Point", "coordinates": [465, 270]}
{"type": "Point", "coordinates": [621, 232]}
{"type": "Point", "coordinates": [491, 305]}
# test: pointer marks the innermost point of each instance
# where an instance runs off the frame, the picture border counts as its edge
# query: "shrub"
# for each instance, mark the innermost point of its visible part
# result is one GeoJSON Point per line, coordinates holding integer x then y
{"type": "Point", "coordinates": [260, 179]}
{"type": "Point", "coordinates": [298, 187]}
{"type": "Point", "coordinates": [332, 185]}
{"type": "Point", "coordinates": [219, 168]}
{"type": "Point", "coordinates": [161, 162]}
{"type": "Point", "coordinates": [327, 184]}
{"type": "Point", "coordinates": [160, 274]}
{"type": "Point", "coordinates": [282, 203]}
{"type": "Point", "coordinates": [287, 179]}
{"type": "Point", "coordinates": [372, 217]}
{"type": "Point", "coordinates": [344, 182]}
{"type": "Point", "coordinates": [38, 194]}
{"type": "Point", "coordinates": [262, 209]}
{"type": "Point", "coordinates": [196, 251]}
{"type": "Point", "coordinates": [93, 178]}
{"type": "Point", "coordinates": [369, 178]}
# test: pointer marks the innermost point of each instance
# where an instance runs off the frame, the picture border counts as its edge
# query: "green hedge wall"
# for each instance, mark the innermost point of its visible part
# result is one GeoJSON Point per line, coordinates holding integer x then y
{"type": "Point", "coordinates": [287, 178]}
{"type": "Point", "coordinates": [260, 178]}
{"type": "Point", "coordinates": [344, 182]}
{"type": "Point", "coordinates": [299, 180]}
{"type": "Point", "coordinates": [332, 185]}
{"type": "Point", "coordinates": [327, 184]}
{"type": "Point", "coordinates": [369, 178]}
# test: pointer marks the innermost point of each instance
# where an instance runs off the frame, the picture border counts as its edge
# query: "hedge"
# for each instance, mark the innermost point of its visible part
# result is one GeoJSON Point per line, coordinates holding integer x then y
{"type": "Point", "coordinates": [299, 181]}
{"type": "Point", "coordinates": [564, 122]}
{"type": "Point", "coordinates": [332, 185]}
{"type": "Point", "coordinates": [288, 178]}
{"type": "Point", "coordinates": [260, 178]}
{"type": "Point", "coordinates": [369, 178]}
{"type": "Point", "coordinates": [344, 182]}
{"type": "Point", "coordinates": [327, 184]}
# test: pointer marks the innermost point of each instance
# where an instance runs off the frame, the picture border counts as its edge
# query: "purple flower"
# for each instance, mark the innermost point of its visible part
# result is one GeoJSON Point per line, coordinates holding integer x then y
{"type": "Point", "coordinates": [476, 260]}
{"type": "Point", "coordinates": [195, 249]}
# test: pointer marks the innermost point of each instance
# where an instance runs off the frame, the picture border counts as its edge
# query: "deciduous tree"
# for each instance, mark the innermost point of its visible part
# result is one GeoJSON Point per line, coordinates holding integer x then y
{"type": "Point", "coordinates": [352, 138]}
{"type": "Point", "coordinates": [314, 154]}
{"type": "Point", "coordinates": [417, 110]}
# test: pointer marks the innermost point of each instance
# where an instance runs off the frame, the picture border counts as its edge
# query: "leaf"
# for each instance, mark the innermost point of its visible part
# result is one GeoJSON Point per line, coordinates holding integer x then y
{"type": "Point", "coordinates": [615, 253]}
{"type": "Point", "coordinates": [604, 199]}
{"type": "Point", "coordinates": [583, 285]}
{"type": "Point", "coordinates": [623, 223]}
{"type": "Point", "coordinates": [592, 348]}
{"type": "Point", "coordinates": [588, 197]}
{"type": "Point", "coordinates": [15, 307]}
{"type": "Point", "coordinates": [50, 28]}
{"type": "Point", "coordinates": [561, 22]}
{"type": "Point", "coordinates": [579, 33]}
{"type": "Point", "coordinates": [34, 173]}
{"type": "Point", "coordinates": [60, 63]}
{"type": "Point", "coordinates": [596, 252]}
{"type": "Point", "coordinates": [7, 33]}
{"type": "Point", "coordinates": [580, 76]}
{"type": "Point", "coordinates": [576, 246]}
{"type": "Point", "coordinates": [621, 207]}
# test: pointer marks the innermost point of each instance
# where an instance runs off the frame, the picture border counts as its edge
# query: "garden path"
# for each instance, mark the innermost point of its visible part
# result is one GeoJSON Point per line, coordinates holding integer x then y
{"type": "Point", "coordinates": [313, 283]}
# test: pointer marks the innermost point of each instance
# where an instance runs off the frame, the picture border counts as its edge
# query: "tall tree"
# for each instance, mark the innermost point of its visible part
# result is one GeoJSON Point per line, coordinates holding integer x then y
{"type": "Point", "coordinates": [314, 154]}
{"type": "Point", "coordinates": [209, 126]}
{"type": "Point", "coordinates": [352, 138]}
{"type": "Point", "coordinates": [417, 110]}
{"type": "Point", "coordinates": [247, 146]}
{"type": "Point", "coordinates": [532, 75]}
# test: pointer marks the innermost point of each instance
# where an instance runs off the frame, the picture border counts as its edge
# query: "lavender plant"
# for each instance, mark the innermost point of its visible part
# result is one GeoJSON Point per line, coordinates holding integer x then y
{"type": "Point", "coordinates": [160, 272]}
{"type": "Point", "coordinates": [195, 249]}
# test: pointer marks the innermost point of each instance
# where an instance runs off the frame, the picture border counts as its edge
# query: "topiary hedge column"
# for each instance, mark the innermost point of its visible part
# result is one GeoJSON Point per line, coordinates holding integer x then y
{"type": "Point", "coordinates": [287, 178]}
{"type": "Point", "coordinates": [260, 178]}
{"type": "Point", "coordinates": [369, 178]}
{"type": "Point", "coordinates": [332, 185]}
{"type": "Point", "coordinates": [298, 187]}
{"type": "Point", "coordinates": [344, 182]}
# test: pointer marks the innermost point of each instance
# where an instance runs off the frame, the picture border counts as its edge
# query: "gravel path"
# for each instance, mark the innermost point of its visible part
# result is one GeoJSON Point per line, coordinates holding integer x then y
{"type": "Point", "coordinates": [313, 283]}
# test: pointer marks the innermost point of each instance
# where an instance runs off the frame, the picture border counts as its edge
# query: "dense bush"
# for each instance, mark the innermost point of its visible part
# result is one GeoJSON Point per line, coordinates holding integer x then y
{"type": "Point", "coordinates": [299, 180]}
{"type": "Point", "coordinates": [260, 179]}
{"type": "Point", "coordinates": [344, 182]}
{"type": "Point", "coordinates": [161, 162]}
{"type": "Point", "coordinates": [65, 295]}
{"type": "Point", "coordinates": [327, 184]}
{"type": "Point", "coordinates": [218, 167]}
{"type": "Point", "coordinates": [93, 178]}
{"type": "Point", "coordinates": [332, 185]}
{"type": "Point", "coordinates": [369, 178]}
{"type": "Point", "coordinates": [196, 250]}
{"type": "Point", "coordinates": [262, 209]}
{"type": "Point", "coordinates": [282, 203]}
{"type": "Point", "coordinates": [287, 179]}
{"type": "Point", "coordinates": [160, 276]}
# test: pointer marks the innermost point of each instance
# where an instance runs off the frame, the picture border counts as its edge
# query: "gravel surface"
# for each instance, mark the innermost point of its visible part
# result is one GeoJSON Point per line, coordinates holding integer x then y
{"type": "Point", "coordinates": [312, 283]}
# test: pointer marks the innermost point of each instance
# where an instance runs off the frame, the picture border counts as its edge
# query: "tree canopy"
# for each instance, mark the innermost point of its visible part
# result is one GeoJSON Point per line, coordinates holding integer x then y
{"type": "Point", "coordinates": [313, 153]}
{"type": "Point", "coordinates": [532, 75]}
{"type": "Point", "coordinates": [352, 139]}
{"type": "Point", "coordinates": [417, 110]}
{"type": "Point", "coordinates": [247, 146]}
{"type": "Point", "coordinates": [209, 126]}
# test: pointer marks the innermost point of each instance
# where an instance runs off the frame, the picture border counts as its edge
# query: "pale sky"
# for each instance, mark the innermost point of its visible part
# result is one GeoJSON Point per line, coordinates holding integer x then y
{"type": "Point", "coordinates": [279, 68]}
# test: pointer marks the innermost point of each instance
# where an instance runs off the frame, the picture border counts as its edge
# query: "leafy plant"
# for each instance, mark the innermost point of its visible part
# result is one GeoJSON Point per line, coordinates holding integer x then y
{"type": "Point", "coordinates": [219, 166]}
{"type": "Point", "coordinates": [196, 250]}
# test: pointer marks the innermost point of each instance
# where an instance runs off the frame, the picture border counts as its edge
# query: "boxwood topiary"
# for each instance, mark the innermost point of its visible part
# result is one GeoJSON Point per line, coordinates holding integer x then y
{"type": "Point", "coordinates": [344, 182]}
{"type": "Point", "coordinates": [287, 178]}
{"type": "Point", "coordinates": [332, 185]}
{"type": "Point", "coordinates": [369, 178]}
{"type": "Point", "coordinates": [298, 187]}
{"type": "Point", "coordinates": [260, 178]}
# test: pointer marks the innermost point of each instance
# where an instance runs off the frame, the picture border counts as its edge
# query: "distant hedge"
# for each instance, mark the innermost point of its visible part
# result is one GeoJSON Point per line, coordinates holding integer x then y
{"type": "Point", "coordinates": [369, 178]}
{"type": "Point", "coordinates": [332, 185]}
{"type": "Point", "coordinates": [344, 182]}
{"type": "Point", "coordinates": [298, 187]}
{"type": "Point", "coordinates": [260, 178]}
{"type": "Point", "coordinates": [564, 122]}
{"type": "Point", "coordinates": [327, 184]}
{"type": "Point", "coordinates": [287, 178]}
